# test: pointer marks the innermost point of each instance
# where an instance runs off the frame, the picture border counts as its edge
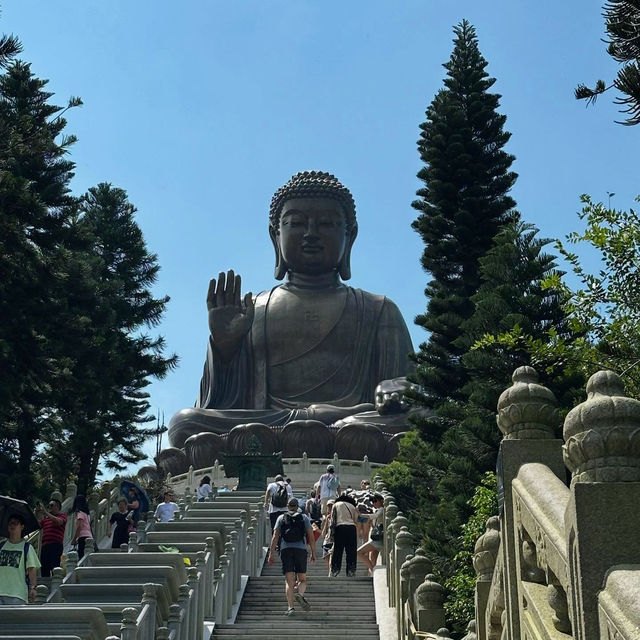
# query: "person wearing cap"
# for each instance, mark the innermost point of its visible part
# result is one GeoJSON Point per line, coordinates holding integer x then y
{"type": "Point", "coordinates": [329, 487]}
{"type": "Point", "coordinates": [274, 511]}
{"type": "Point", "coordinates": [18, 559]}
{"type": "Point", "coordinates": [293, 554]}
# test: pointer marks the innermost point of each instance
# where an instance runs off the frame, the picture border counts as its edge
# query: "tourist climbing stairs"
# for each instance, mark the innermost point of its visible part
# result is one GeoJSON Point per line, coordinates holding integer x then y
{"type": "Point", "coordinates": [340, 607]}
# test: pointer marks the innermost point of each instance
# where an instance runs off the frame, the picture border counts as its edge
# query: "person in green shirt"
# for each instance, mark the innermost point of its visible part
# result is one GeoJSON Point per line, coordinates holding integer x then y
{"type": "Point", "coordinates": [15, 564]}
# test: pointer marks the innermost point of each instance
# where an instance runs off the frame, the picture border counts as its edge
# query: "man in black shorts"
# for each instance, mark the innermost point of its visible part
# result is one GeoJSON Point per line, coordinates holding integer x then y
{"type": "Point", "coordinates": [293, 531]}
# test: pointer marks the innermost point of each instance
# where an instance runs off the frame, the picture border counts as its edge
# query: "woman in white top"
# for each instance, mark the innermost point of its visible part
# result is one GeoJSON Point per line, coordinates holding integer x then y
{"type": "Point", "coordinates": [344, 515]}
{"type": "Point", "coordinates": [369, 551]}
{"type": "Point", "coordinates": [204, 489]}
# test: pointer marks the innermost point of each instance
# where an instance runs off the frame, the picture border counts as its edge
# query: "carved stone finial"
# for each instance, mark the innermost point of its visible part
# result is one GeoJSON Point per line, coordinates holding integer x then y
{"type": "Point", "coordinates": [485, 553]}
{"type": "Point", "coordinates": [129, 616]}
{"type": "Point", "coordinates": [404, 538]}
{"type": "Point", "coordinates": [419, 565]}
{"type": "Point", "coordinates": [471, 631]}
{"type": "Point", "coordinates": [602, 435]}
{"type": "Point", "coordinates": [527, 410]}
{"type": "Point", "coordinates": [430, 594]}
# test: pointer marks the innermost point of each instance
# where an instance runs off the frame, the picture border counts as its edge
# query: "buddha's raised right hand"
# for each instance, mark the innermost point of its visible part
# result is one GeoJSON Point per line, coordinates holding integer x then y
{"type": "Point", "coordinates": [230, 318]}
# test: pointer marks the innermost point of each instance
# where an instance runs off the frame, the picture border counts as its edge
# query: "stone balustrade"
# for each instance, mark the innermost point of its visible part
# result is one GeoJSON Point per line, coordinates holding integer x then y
{"type": "Point", "coordinates": [414, 593]}
{"type": "Point", "coordinates": [562, 559]}
{"type": "Point", "coordinates": [142, 593]}
{"type": "Point", "coordinates": [305, 472]}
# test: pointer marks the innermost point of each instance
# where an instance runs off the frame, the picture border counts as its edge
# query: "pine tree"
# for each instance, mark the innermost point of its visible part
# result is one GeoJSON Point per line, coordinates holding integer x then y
{"type": "Point", "coordinates": [512, 294]}
{"type": "Point", "coordinates": [109, 305]}
{"type": "Point", "coordinates": [464, 201]}
{"type": "Point", "coordinates": [34, 199]}
{"type": "Point", "coordinates": [622, 21]}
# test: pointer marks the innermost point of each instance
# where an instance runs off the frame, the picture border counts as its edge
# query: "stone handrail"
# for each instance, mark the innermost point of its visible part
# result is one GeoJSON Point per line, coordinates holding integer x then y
{"type": "Point", "coordinates": [619, 604]}
{"type": "Point", "coordinates": [540, 501]}
{"type": "Point", "coordinates": [299, 468]}
{"type": "Point", "coordinates": [413, 591]}
{"type": "Point", "coordinates": [213, 581]}
{"type": "Point", "coordinates": [559, 561]}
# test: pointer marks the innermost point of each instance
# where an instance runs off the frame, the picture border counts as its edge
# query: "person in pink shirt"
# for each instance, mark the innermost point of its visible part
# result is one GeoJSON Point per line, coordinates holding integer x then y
{"type": "Point", "coordinates": [83, 524]}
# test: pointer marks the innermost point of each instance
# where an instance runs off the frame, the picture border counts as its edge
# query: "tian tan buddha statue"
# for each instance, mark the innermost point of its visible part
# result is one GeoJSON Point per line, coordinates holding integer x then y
{"type": "Point", "coordinates": [303, 355]}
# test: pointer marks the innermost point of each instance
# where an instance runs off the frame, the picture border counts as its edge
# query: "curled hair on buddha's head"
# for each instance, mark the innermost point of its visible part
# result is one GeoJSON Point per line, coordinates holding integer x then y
{"type": "Point", "coordinates": [314, 184]}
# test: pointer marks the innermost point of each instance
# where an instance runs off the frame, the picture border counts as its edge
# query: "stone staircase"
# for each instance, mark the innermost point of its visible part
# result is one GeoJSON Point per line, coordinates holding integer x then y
{"type": "Point", "coordinates": [340, 608]}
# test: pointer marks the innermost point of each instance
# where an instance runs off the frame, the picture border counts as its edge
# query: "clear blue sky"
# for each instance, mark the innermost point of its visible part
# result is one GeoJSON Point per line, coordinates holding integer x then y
{"type": "Point", "coordinates": [201, 109]}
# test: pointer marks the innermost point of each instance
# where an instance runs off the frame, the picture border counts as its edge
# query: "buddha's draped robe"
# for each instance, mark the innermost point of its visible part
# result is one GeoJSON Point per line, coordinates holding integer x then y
{"type": "Point", "coordinates": [367, 342]}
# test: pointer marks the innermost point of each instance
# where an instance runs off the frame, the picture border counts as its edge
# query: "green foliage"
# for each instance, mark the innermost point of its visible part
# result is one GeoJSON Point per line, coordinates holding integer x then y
{"type": "Point", "coordinates": [603, 311]}
{"type": "Point", "coordinates": [622, 21]}
{"type": "Point", "coordinates": [461, 206]}
{"type": "Point", "coordinates": [76, 304]}
{"type": "Point", "coordinates": [461, 585]}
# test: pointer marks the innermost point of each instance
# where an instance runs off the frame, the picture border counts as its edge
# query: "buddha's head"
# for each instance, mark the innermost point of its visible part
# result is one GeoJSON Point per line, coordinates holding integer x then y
{"type": "Point", "coordinates": [312, 224]}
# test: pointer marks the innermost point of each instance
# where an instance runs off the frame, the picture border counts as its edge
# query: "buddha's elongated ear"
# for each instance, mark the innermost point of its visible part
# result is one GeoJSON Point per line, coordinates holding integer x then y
{"type": "Point", "coordinates": [281, 268]}
{"type": "Point", "coordinates": [344, 268]}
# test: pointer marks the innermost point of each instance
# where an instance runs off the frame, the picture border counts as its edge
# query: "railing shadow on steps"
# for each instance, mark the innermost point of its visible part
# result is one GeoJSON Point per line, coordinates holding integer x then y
{"type": "Point", "coordinates": [563, 558]}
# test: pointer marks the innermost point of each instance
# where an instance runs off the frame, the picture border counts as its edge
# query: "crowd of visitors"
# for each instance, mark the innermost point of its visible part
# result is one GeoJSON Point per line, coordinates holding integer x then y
{"type": "Point", "coordinates": [349, 524]}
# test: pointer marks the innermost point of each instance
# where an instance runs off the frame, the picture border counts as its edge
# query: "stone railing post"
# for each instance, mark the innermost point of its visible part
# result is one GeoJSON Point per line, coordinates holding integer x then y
{"type": "Point", "coordinates": [72, 562]}
{"type": "Point", "coordinates": [196, 616]}
{"type": "Point", "coordinates": [527, 417]}
{"type": "Point", "coordinates": [402, 550]}
{"type": "Point", "coordinates": [485, 555]}
{"type": "Point", "coordinates": [128, 626]}
{"type": "Point", "coordinates": [394, 569]}
{"type": "Point", "coordinates": [218, 598]}
{"type": "Point", "coordinates": [185, 606]}
{"type": "Point", "coordinates": [133, 541]}
{"type": "Point", "coordinates": [42, 592]}
{"type": "Point", "coordinates": [416, 569]}
{"type": "Point", "coordinates": [223, 589]}
{"type": "Point", "coordinates": [602, 450]}
{"type": "Point", "coordinates": [175, 620]}
{"type": "Point", "coordinates": [429, 606]}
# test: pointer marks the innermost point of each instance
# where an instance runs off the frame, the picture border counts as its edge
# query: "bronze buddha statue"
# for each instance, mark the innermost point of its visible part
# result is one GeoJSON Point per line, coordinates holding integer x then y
{"type": "Point", "coordinates": [312, 348]}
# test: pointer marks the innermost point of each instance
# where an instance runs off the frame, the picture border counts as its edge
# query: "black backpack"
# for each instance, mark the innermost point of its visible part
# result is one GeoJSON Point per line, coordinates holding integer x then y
{"type": "Point", "coordinates": [281, 497]}
{"type": "Point", "coordinates": [292, 529]}
{"type": "Point", "coordinates": [315, 511]}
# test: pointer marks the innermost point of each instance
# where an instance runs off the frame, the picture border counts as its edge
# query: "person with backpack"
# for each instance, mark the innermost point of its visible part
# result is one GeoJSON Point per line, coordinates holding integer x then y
{"type": "Point", "coordinates": [329, 487]}
{"type": "Point", "coordinates": [313, 508]}
{"type": "Point", "coordinates": [18, 566]}
{"type": "Point", "coordinates": [276, 498]}
{"type": "Point", "coordinates": [293, 533]}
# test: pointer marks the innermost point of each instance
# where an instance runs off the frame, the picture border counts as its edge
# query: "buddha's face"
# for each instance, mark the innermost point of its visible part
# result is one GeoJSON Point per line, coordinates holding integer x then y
{"type": "Point", "coordinates": [312, 235]}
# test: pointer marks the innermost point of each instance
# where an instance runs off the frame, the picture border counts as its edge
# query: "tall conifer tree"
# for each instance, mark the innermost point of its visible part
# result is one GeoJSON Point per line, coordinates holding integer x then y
{"type": "Point", "coordinates": [464, 201]}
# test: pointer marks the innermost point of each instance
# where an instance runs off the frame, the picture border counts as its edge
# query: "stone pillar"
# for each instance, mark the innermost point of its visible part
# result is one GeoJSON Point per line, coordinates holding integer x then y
{"type": "Point", "coordinates": [403, 548]}
{"type": "Point", "coordinates": [133, 541]}
{"type": "Point", "coordinates": [72, 562]}
{"type": "Point", "coordinates": [57, 576]}
{"type": "Point", "coordinates": [128, 626]}
{"type": "Point", "coordinates": [150, 599]}
{"type": "Point", "coordinates": [175, 619]}
{"type": "Point", "coordinates": [429, 606]}
{"type": "Point", "coordinates": [225, 605]}
{"type": "Point", "coordinates": [394, 567]}
{"type": "Point", "coordinates": [485, 555]}
{"type": "Point", "coordinates": [471, 631]}
{"type": "Point", "coordinates": [527, 416]}
{"type": "Point", "coordinates": [602, 519]}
